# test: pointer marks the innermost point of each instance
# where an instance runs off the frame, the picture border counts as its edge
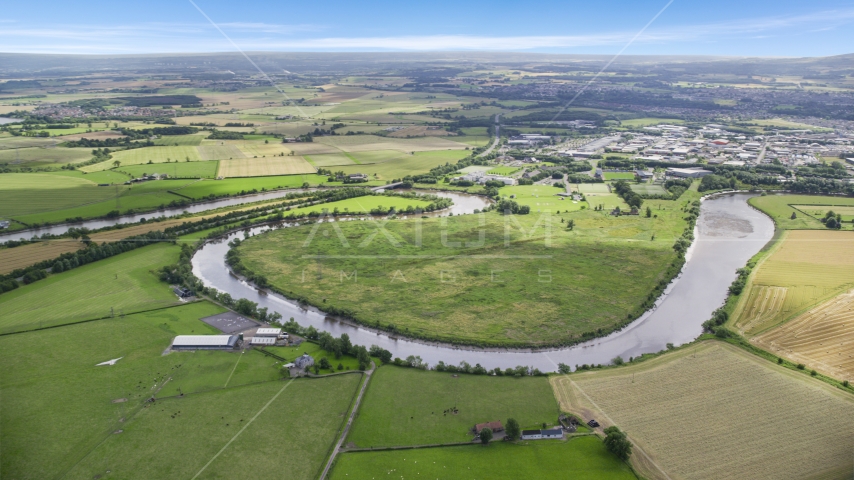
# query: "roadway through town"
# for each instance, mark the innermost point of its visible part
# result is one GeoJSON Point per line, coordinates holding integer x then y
{"type": "Point", "coordinates": [495, 140]}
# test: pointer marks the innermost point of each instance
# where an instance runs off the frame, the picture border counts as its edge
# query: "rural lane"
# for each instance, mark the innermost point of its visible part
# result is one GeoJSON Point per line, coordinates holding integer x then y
{"type": "Point", "coordinates": [349, 423]}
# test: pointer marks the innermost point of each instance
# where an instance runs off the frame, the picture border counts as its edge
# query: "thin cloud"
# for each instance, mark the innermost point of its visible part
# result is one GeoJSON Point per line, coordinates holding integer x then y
{"type": "Point", "coordinates": [196, 37]}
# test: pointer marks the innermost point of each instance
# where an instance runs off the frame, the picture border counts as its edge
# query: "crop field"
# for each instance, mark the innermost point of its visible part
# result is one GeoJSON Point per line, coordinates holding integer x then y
{"type": "Point", "coordinates": [691, 408]}
{"type": "Point", "coordinates": [396, 411]}
{"type": "Point", "coordinates": [404, 164]}
{"type": "Point", "coordinates": [260, 149]}
{"type": "Point", "coordinates": [139, 156]}
{"type": "Point", "coordinates": [25, 193]}
{"type": "Point", "coordinates": [583, 458]}
{"type": "Point", "coordinates": [257, 167]}
{"type": "Point", "coordinates": [26, 255]}
{"type": "Point", "coordinates": [540, 198]}
{"type": "Point", "coordinates": [364, 143]}
{"type": "Point", "coordinates": [329, 159]}
{"type": "Point", "coordinates": [805, 268]}
{"type": "Point", "coordinates": [195, 435]}
{"type": "Point", "coordinates": [450, 293]}
{"type": "Point", "coordinates": [180, 140]}
{"type": "Point", "coordinates": [202, 189]}
{"type": "Point", "coordinates": [121, 284]}
{"type": "Point", "coordinates": [821, 338]}
{"type": "Point", "coordinates": [175, 169]}
{"type": "Point", "coordinates": [220, 152]}
{"type": "Point", "coordinates": [781, 208]}
{"type": "Point", "coordinates": [37, 157]}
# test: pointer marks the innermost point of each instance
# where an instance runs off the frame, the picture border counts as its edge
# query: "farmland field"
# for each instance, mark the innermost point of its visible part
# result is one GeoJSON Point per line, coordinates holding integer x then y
{"type": "Point", "coordinates": [820, 338]}
{"type": "Point", "coordinates": [124, 283]}
{"type": "Point", "coordinates": [582, 458]}
{"type": "Point", "coordinates": [395, 410]}
{"type": "Point", "coordinates": [26, 255]}
{"type": "Point", "coordinates": [805, 268]}
{"type": "Point", "coordinates": [414, 296]}
{"type": "Point", "coordinates": [689, 409]}
{"type": "Point", "coordinates": [781, 208]}
{"type": "Point", "coordinates": [256, 167]}
{"type": "Point", "coordinates": [184, 433]}
{"type": "Point", "coordinates": [25, 193]}
{"type": "Point", "coordinates": [329, 159]}
{"type": "Point", "coordinates": [174, 170]}
{"type": "Point", "coordinates": [59, 412]}
{"type": "Point", "coordinates": [199, 190]}
{"type": "Point", "coordinates": [402, 165]}
{"type": "Point", "coordinates": [37, 157]}
{"type": "Point", "coordinates": [819, 211]}
{"type": "Point", "coordinates": [179, 140]}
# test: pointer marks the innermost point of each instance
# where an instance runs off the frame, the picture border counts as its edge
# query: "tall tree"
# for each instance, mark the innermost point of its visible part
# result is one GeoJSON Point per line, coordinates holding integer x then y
{"type": "Point", "coordinates": [618, 443]}
{"type": "Point", "coordinates": [485, 435]}
{"type": "Point", "coordinates": [512, 429]}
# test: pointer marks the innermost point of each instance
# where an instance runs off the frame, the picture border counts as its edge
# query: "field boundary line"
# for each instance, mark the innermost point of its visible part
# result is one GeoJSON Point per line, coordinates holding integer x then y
{"type": "Point", "coordinates": [244, 428]}
{"type": "Point", "coordinates": [233, 369]}
{"type": "Point", "coordinates": [650, 460]}
{"type": "Point", "coordinates": [355, 402]}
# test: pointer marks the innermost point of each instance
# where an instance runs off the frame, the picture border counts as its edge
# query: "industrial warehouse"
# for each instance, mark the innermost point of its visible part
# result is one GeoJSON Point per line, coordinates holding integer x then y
{"type": "Point", "coordinates": [205, 342]}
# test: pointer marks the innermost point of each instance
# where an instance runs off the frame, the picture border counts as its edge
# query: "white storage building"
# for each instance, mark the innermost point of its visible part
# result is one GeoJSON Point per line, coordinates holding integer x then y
{"type": "Point", "coordinates": [262, 341]}
{"type": "Point", "coordinates": [268, 332]}
{"type": "Point", "coordinates": [204, 342]}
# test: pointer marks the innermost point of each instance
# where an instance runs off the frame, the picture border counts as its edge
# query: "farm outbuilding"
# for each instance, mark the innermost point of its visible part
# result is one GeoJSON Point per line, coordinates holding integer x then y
{"type": "Point", "coordinates": [204, 342]}
{"type": "Point", "coordinates": [304, 361]}
{"type": "Point", "coordinates": [268, 332]}
{"type": "Point", "coordinates": [495, 426]}
{"type": "Point", "coordinates": [264, 341]}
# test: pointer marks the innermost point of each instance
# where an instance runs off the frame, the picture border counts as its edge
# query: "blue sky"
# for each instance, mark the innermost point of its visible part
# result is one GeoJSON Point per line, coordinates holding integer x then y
{"type": "Point", "coordinates": [727, 27]}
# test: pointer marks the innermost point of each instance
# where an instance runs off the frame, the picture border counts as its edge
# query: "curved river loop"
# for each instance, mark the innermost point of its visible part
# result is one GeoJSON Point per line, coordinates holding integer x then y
{"type": "Point", "coordinates": [728, 233]}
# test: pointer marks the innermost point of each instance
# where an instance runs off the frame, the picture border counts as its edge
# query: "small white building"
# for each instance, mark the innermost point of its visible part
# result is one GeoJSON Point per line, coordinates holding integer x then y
{"type": "Point", "coordinates": [262, 341]}
{"type": "Point", "coordinates": [204, 342]}
{"type": "Point", "coordinates": [542, 434]}
{"type": "Point", "coordinates": [268, 332]}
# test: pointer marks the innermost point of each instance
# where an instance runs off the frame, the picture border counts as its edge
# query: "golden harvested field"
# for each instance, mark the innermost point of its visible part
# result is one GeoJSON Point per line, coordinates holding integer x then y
{"type": "Point", "coordinates": [806, 267]}
{"type": "Point", "coordinates": [219, 152]}
{"type": "Point", "coordinates": [717, 412]}
{"type": "Point", "coordinates": [261, 149]}
{"type": "Point", "coordinates": [822, 338]}
{"type": "Point", "coordinates": [257, 167]}
{"type": "Point", "coordinates": [26, 255]}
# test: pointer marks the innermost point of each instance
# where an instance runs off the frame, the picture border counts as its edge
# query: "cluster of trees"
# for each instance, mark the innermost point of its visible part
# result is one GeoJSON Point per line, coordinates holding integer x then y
{"type": "Point", "coordinates": [714, 324]}
{"type": "Point", "coordinates": [739, 283]}
{"type": "Point", "coordinates": [618, 443]}
{"type": "Point", "coordinates": [225, 135]}
{"type": "Point", "coordinates": [832, 220]}
{"type": "Point", "coordinates": [684, 241]}
{"type": "Point", "coordinates": [627, 194]}
{"type": "Point", "coordinates": [477, 369]}
{"type": "Point", "coordinates": [506, 206]}
{"type": "Point", "coordinates": [68, 261]}
{"type": "Point", "coordinates": [442, 170]}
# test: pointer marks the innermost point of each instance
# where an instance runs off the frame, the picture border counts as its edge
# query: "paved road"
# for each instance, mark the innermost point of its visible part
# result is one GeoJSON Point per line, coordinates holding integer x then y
{"type": "Point", "coordinates": [494, 141]}
{"type": "Point", "coordinates": [349, 424]}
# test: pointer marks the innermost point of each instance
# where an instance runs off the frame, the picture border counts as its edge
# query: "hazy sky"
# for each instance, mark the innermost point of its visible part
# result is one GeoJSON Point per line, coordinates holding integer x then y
{"type": "Point", "coordinates": [724, 27]}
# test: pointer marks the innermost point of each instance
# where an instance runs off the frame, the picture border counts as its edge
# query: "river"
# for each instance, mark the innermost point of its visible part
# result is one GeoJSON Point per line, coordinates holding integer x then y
{"type": "Point", "coordinates": [729, 232]}
{"type": "Point", "coordinates": [5, 120]}
{"type": "Point", "coordinates": [95, 224]}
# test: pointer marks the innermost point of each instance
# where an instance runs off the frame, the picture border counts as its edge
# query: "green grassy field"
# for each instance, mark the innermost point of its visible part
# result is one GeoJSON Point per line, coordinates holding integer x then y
{"type": "Point", "coordinates": [40, 157]}
{"type": "Point", "coordinates": [25, 193]}
{"type": "Point", "coordinates": [541, 198]}
{"type": "Point", "coordinates": [404, 406]}
{"type": "Point", "coordinates": [185, 434]}
{"type": "Point", "coordinates": [591, 188]}
{"type": "Point", "coordinates": [405, 164]}
{"type": "Point", "coordinates": [583, 458]}
{"type": "Point", "coordinates": [362, 205]}
{"type": "Point", "coordinates": [780, 208]}
{"type": "Point", "coordinates": [329, 159]}
{"type": "Point", "coordinates": [124, 283]}
{"type": "Point", "coordinates": [204, 188]}
{"type": "Point", "coordinates": [180, 140]}
{"type": "Point", "coordinates": [619, 176]}
{"type": "Point", "coordinates": [57, 405]}
{"type": "Point", "coordinates": [175, 169]}
{"type": "Point", "coordinates": [60, 410]}
{"type": "Point", "coordinates": [290, 353]}
{"type": "Point", "coordinates": [648, 189]}
{"type": "Point", "coordinates": [503, 170]}
{"type": "Point", "coordinates": [444, 290]}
